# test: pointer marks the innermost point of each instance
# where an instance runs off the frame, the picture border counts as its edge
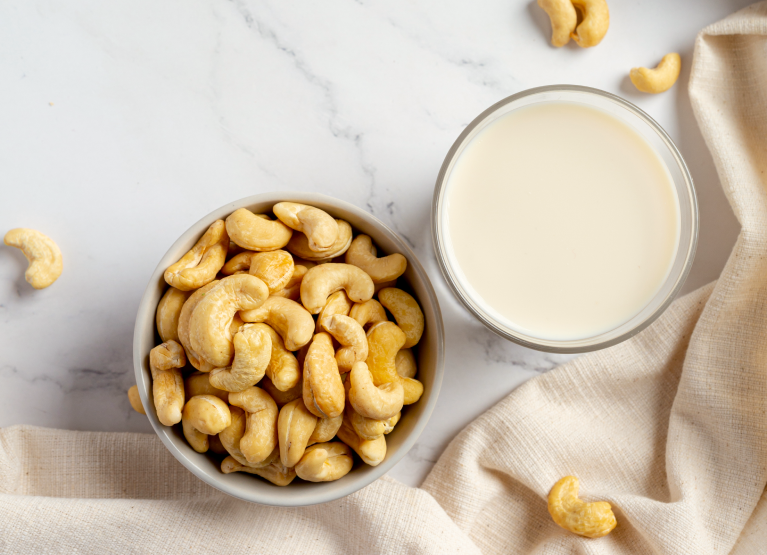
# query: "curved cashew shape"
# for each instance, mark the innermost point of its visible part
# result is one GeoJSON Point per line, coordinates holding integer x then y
{"type": "Point", "coordinates": [368, 313]}
{"type": "Point", "coordinates": [384, 342]}
{"type": "Point", "coordinates": [337, 303]}
{"type": "Point", "coordinates": [406, 312]}
{"type": "Point", "coordinates": [198, 383]}
{"type": "Point", "coordinates": [350, 334]}
{"type": "Point", "coordinates": [292, 290]}
{"type": "Point", "coordinates": [257, 232]}
{"type": "Point", "coordinates": [596, 20]}
{"type": "Point", "coordinates": [389, 424]}
{"type": "Point", "coordinates": [135, 400]}
{"type": "Point", "coordinates": [282, 398]}
{"type": "Point", "coordinates": [204, 415]}
{"type": "Point", "coordinates": [294, 428]}
{"type": "Point", "coordinates": [322, 280]}
{"type": "Point", "coordinates": [592, 520]}
{"type": "Point", "coordinates": [43, 255]}
{"type": "Point", "coordinates": [252, 352]}
{"type": "Point", "coordinates": [282, 370]}
{"type": "Point", "coordinates": [167, 383]}
{"type": "Point", "coordinates": [274, 268]}
{"type": "Point", "coordinates": [326, 429]}
{"type": "Point", "coordinates": [182, 329]}
{"type": "Point", "coordinates": [238, 263]}
{"type": "Point", "coordinates": [367, 428]}
{"type": "Point", "coordinates": [288, 318]}
{"type": "Point", "coordinates": [168, 312]}
{"type": "Point", "coordinates": [325, 462]}
{"type": "Point", "coordinates": [260, 437]}
{"type": "Point", "coordinates": [362, 253]}
{"type": "Point", "coordinates": [563, 20]}
{"type": "Point", "coordinates": [660, 79]}
{"type": "Point", "coordinates": [232, 435]}
{"type": "Point", "coordinates": [405, 363]}
{"type": "Point", "coordinates": [299, 245]}
{"type": "Point", "coordinates": [200, 265]}
{"type": "Point", "coordinates": [323, 390]}
{"type": "Point", "coordinates": [209, 327]}
{"type": "Point", "coordinates": [378, 403]}
{"type": "Point", "coordinates": [371, 452]}
{"type": "Point", "coordinates": [275, 472]}
{"type": "Point", "coordinates": [317, 225]}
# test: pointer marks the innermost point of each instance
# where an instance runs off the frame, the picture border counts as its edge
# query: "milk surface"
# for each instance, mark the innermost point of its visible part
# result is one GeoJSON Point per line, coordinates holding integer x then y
{"type": "Point", "coordinates": [563, 221]}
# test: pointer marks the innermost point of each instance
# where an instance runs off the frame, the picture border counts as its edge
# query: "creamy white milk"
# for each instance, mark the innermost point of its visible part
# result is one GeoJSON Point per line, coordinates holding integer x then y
{"type": "Point", "coordinates": [562, 219]}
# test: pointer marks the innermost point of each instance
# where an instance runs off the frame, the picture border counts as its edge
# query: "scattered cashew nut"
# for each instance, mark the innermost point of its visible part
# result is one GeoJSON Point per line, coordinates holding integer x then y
{"type": "Point", "coordinates": [406, 312]}
{"type": "Point", "coordinates": [362, 253]}
{"type": "Point", "coordinates": [135, 400]}
{"type": "Point", "coordinates": [200, 265]}
{"type": "Point", "coordinates": [299, 245]}
{"type": "Point", "coordinates": [252, 353]}
{"type": "Point", "coordinates": [168, 312]}
{"type": "Point", "coordinates": [384, 342]}
{"type": "Point", "coordinates": [255, 233]}
{"type": "Point", "coordinates": [167, 383]}
{"type": "Point", "coordinates": [592, 520]}
{"type": "Point", "coordinates": [260, 437]}
{"type": "Point", "coordinates": [371, 401]}
{"type": "Point", "coordinates": [318, 226]}
{"type": "Point", "coordinates": [204, 415]}
{"type": "Point", "coordinates": [322, 280]}
{"type": "Point", "coordinates": [325, 462]}
{"type": "Point", "coordinates": [596, 20]}
{"type": "Point", "coordinates": [368, 313]}
{"type": "Point", "coordinates": [288, 318]}
{"type": "Point", "coordinates": [43, 255]}
{"type": "Point", "coordinates": [323, 390]}
{"type": "Point", "coordinates": [275, 472]}
{"type": "Point", "coordinates": [660, 79]}
{"type": "Point", "coordinates": [563, 20]}
{"type": "Point", "coordinates": [294, 428]}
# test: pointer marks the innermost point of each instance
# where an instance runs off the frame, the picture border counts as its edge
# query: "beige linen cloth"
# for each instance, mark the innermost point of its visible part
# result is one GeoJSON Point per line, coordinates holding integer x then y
{"type": "Point", "coordinates": [670, 427]}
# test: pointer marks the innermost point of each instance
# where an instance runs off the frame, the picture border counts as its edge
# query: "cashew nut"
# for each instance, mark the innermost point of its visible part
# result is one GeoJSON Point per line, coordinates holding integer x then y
{"type": "Point", "coordinates": [385, 285]}
{"type": "Point", "coordinates": [215, 445]}
{"type": "Point", "coordinates": [233, 250]}
{"type": "Point", "coordinates": [275, 472]}
{"type": "Point", "coordinates": [406, 312]}
{"type": "Point", "coordinates": [660, 79]}
{"type": "Point", "coordinates": [592, 520]}
{"type": "Point", "coordinates": [288, 318]}
{"type": "Point", "coordinates": [405, 363]}
{"type": "Point", "coordinates": [371, 452]}
{"type": "Point", "coordinates": [299, 245]}
{"type": "Point", "coordinates": [368, 313]}
{"type": "Point", "coordinates": [325, 462]}
{"type": "Point", "coordinates": [362, 253]}
{"type": "Point", "coordinates": [260, 437]}
{"type": "Point", "coordinates": [182, 329]}
{"type": "Point", "coordinates": [337, 303]}
{"type": "Point", "coordinates": [596, 20]}
{"type": "Point", "coordinates": [198, 383]}
{"type": "Point", "coordinates": [209, 332]}
{"type": "Point", "coordinates": [232, 435]}
{"type": "Point", "coordinates": [274, 268]}
{"type": "Point", "coordinates": [326, 429]}
{"type": "Point", "coordinates": [282, 398]}
{"type": "Point", "coordinates": [379, 403]}
{"type": "Point", "coordinates": [282, 370]}
{"type": "Point", "coordinates": [323, 390]}
{"type": "Point", "coordinates": [350, 334]}
{"type": "Point", "coordinates": [389, 424]}
{"type": "Point", "coordinates": [367, 428]}
{"type": "Point", "coordinates": [43, 255]}
{"type": "Point", "coordinates": [200, 265]}
{"type": "Point", "coordinates": [167, 383]}
{"type": "Point", "coordinates": [135, 400]}
{"type": "Point", "coordinates": [384, 341]}
{"type": "Point", "coordinates": [563, 20]}
{"type": "Point", "coordinates": [168, 312]}
{"type": "Point", "coordinates": [255, 233]}
{"type": "Point", "coordinates": [294, 428]}
{"type": "Point", "coordinates": [292, 290]}
{"type": "Point", "coordinates": [252, 352]}
{"type": "Point", "coordinates": [204, 415]}
{"type": "Point", "coordinates": [317, 225]}
{"type": "Point", "coordinates": [322, 280]}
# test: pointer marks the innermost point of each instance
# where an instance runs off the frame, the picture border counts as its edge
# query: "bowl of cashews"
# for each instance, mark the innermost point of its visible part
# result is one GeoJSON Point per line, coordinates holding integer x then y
{"type": "Point", "coordinates": [288, 349]}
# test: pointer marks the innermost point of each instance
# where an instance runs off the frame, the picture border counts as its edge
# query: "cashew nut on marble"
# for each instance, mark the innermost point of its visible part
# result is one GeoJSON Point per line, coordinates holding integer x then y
{"type": "Point", "coordinates": [299, 245]}
{"type": "Point", "coordinates": [659, 79]}
{"type": "Point", "coordinates": [255, 233]}
{"type": "Point", "coordinates": [168, 313]}
{"type": "Point", "coordinates": [252, 353]}
{"type": "Point", "coordinates": [317, 225]}
{"type": "Point", "coordinates": [275, 472]}
{"type": "Point", "coordinates": [384, 341]}
{"type": "Point", "coordinates": [368, 313]}
{"type": "Point", "coordinates": [323, 390]}
{"type": "Point", "coordinates": [351, 336]}
{"type": "Point", "coordinates": [362, 253]}
{"type": "Point", "coordinates": [325, 462]}
{"type": "Point", "coordinates": [200, 265]}
{"type": "Point", "coordinates": [260, 437]}
{"type": "Point", "coordinates": [209, 327]}
{"type": "Point", "coordinates": [371, 401]}
{"type": "Point", "coordinates": [371, 452]}
{"type": "Point", "coordinates": [337, 303]}
{"type": "Point", "coordinates": [326, 429]}
{"type": "Point", "coordinates": [232, 435]}
{"type": "Point", "coordinates": [563, 20]}
{"type": "Point", "coordinates": [596, 20]}
{"type": "Point", "coordinates": [135, 400]}
{"type": "Point", "coordinates": [167, 383]}
{"type": "Point", "coordinates": [204, 415]}
{"type": "Point", "coordinates": [183, 328]}
{"type": "Point", "coordinates": [592, 520]}
{"type": "Point", "coordinates": [405, 363]}
{"type": "Point", "coordinates": [282, 398]}
{"type": "Point", "coordinates": [294, 428]}
{"type": "Point", "coordinates": [288, 318]}
{"type": "Point", "coordinates": [406, 312]}
{"type": "Point", "coordinates": [43, 255]}
{"type": "Point", "coordinates": [197, 383]}
{"type": "Point", "coordinates": [323, 280]}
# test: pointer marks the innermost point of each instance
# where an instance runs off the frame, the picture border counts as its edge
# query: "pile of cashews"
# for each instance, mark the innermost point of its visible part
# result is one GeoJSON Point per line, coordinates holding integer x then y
{"type": "Point", "coordinates": [298, 366]}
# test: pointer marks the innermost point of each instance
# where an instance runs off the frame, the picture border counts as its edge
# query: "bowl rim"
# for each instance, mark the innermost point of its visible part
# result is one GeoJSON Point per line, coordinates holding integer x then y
{"type": "Point", "coordinates": [146, 313]}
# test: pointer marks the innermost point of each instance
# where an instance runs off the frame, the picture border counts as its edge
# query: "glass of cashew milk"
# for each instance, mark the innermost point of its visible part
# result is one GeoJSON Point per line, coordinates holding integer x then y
{"type": "Point", "coordinates": [565, 219]}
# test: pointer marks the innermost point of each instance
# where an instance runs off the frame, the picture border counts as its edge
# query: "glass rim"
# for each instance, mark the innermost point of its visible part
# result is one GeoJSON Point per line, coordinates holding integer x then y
{"type": "Point", "coordinates": [602, 340]}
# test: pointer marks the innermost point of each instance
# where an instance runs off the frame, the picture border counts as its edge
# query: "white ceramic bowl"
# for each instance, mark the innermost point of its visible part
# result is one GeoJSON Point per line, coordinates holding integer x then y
{"type": "Point", "coordinates": [430, 354]}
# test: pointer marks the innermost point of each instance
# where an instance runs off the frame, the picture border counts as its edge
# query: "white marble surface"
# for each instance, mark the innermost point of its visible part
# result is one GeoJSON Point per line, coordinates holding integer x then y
{"type": "Point", "coordinates": [125, 121]}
